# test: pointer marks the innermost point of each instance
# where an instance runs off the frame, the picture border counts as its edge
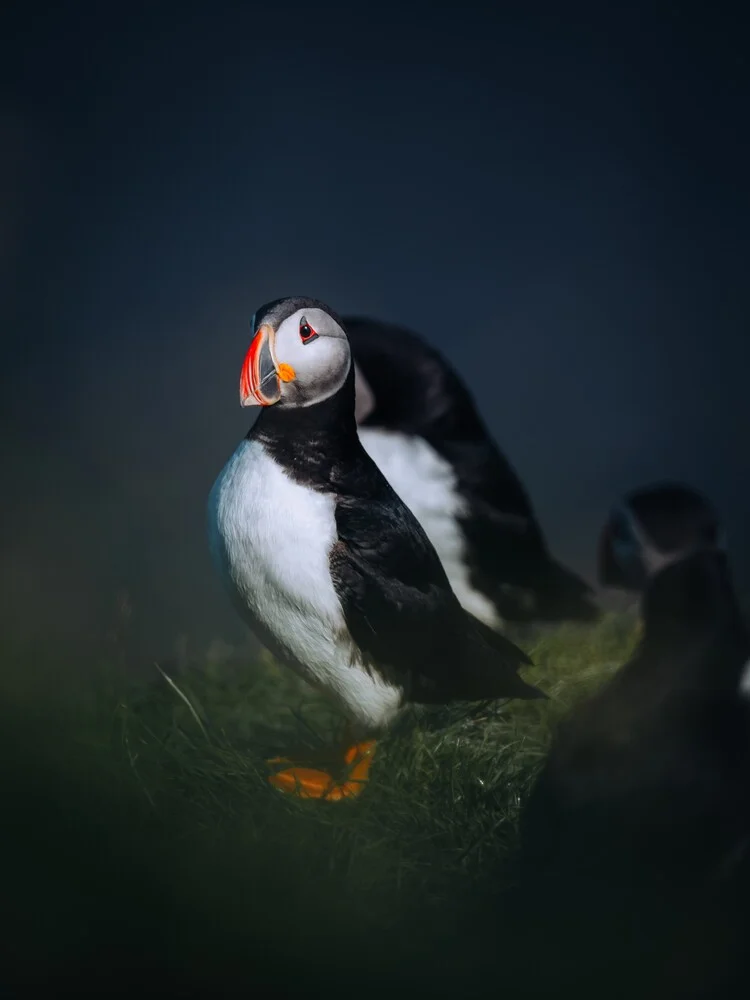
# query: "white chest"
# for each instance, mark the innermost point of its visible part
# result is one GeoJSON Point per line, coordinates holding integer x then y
{"type": "Point", "coordinates": [271, 539]}
{"type": "Point", "coordinates": [427, 485]}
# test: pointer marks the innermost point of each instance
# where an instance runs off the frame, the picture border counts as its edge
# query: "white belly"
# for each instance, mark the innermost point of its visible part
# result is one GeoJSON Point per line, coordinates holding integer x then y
{"type": "Point", "coordinates": [271, 539]}
{"type": "Point", "coordinates": [427, 485]}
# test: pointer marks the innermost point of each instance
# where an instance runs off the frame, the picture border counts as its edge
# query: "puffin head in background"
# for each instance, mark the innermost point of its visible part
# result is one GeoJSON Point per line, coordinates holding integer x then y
{"type": "Point", "coordinates": [299, 355]}
{"type": "Point", "coordinates": [652, 528]}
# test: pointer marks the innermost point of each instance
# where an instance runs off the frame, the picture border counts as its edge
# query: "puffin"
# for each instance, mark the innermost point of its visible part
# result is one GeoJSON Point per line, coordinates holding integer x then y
{"type": "Point", "coordinates": [328, 566]}
{"type": "Point", "coordinates": [641, 811]}
{"type": "Point", "coordinates": [419, 422]}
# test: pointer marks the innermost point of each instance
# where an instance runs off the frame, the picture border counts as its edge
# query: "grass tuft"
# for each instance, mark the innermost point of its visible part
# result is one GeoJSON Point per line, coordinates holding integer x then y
{"type": "Point", "coordinates": [153, 799]}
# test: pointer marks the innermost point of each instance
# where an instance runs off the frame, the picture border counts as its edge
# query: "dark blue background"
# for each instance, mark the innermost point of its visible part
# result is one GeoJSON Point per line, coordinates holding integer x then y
{"type": "Point", "coordinates": [558, 198]}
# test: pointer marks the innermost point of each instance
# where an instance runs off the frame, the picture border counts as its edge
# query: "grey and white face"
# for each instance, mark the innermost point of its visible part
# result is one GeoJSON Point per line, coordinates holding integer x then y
{"type": "Point", "coordinates": [626, 556]}
{"type": "Point", "coordinates": [298, 357]}
{"type": "Point", "coordinates": [651, 529]}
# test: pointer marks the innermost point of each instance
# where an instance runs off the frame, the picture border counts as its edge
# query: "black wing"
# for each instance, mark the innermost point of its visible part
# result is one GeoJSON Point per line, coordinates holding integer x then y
{"type": "Point", "coordinates": [509, 561]}
{"type": "Point", "coordinates": [507, 553]}
{"type": "Point", "coordinates": [417, 391]}
{"type": "Point", "coordinates": [401, 611]}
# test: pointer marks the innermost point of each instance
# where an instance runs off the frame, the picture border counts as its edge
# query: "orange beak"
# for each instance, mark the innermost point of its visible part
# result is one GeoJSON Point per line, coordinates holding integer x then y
{"type": "Point", "coordinates": [259, 379]}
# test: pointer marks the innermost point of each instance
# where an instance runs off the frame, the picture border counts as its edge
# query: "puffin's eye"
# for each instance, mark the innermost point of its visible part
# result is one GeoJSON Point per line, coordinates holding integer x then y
{"type": "Point", "coordinates": [306, 332]}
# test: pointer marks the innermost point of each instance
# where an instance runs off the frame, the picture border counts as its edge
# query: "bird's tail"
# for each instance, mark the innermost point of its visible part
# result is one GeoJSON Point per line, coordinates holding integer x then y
{"type": "Point", "coordinates": [513, 655]}
{"type": "Point", "coordinates": [492, 664]}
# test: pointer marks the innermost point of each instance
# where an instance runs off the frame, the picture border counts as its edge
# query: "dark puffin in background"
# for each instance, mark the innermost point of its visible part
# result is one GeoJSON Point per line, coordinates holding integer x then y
{"type": "Point", "coordinates": [641, 812]}
{"type": "Point", "coordinates": [329, 568]}
{"type": "Point", "coordinates": [420, 424]}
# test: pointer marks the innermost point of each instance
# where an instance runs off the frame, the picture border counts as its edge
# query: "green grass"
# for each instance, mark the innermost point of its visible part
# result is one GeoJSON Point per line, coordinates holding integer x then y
{"type": "Point", "coordinates": [146, 826]}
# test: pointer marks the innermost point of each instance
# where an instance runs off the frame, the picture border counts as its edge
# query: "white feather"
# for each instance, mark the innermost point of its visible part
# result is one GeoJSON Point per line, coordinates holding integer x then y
{"type": "Point", "coordinates": [745, 681]}
{"type": "Point", "coordinates": [271, 539]}
{"type": "Point", "coordinates": [427, 485]}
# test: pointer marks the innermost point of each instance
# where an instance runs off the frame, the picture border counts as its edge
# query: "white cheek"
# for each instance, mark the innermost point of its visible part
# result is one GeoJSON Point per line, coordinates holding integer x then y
{"type": "Point", "coordinates": [329, 362]}
{"type": "Point", "coordinates": [320, 367]}
{"type": "Point", "coordinates": [656, 561]}
{"type": "Point", "coordinates": [745, 681]}
{"type": "Point", "coordinates": [286, 344]}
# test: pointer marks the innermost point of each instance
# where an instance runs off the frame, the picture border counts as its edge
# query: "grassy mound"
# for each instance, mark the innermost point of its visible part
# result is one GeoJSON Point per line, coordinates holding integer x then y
{"type": "Point", "coordinates": [148, 846]}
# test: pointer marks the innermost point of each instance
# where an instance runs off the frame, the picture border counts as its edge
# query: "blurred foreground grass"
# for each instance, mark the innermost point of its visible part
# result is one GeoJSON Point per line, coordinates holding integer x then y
{"type": "Point", "coordinates": [144, 844]}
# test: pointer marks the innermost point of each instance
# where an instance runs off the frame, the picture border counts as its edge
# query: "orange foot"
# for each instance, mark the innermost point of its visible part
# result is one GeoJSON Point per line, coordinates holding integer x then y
{"type": "Point", "coordinates": [314, 783]}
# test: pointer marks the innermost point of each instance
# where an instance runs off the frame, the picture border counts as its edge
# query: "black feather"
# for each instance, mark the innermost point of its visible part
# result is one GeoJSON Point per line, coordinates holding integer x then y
{"type": "Point", "coordinates": [643, 804]}
{"type": "Point", "coordinates": [401, 611]}
{"type": "Point", "coordinates": [397, 601]}
{"type": "Point", "coordinates": [418, 393]}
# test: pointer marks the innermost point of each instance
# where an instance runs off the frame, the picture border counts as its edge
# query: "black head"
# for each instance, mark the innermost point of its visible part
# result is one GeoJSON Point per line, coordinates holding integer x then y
{"type": "Point", "coordinates": [652, 528]}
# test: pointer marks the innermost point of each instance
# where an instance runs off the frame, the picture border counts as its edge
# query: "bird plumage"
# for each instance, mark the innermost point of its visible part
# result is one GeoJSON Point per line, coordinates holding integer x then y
{"type": "Point", "coordinates": [641, 810]}
{"type": "Point", "coordinates": [486, 532]}
{"type": "Point", "coordinates": [396, 599]}
{"type": "Point", "coordinates": [324, 561]}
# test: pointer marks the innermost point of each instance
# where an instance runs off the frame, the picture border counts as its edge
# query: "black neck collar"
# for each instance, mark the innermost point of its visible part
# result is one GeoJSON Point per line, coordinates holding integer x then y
{"type": "Point", "coordinates": [310, 442]}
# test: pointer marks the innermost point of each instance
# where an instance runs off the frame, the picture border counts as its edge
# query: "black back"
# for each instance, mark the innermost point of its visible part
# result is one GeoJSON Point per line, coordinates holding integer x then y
{"type": "Point", "coordinates": [418, 393]}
